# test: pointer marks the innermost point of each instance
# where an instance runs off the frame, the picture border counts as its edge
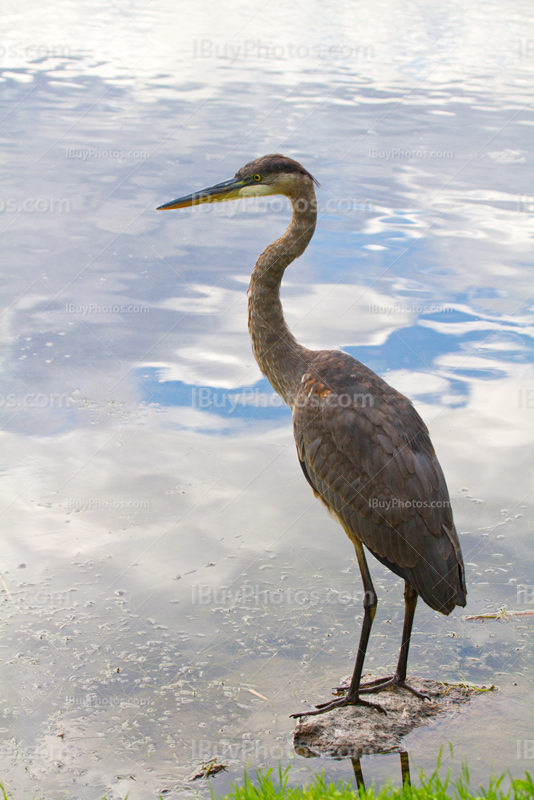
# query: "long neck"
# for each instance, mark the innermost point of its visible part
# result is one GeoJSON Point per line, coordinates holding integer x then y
{"type": "Point", "coordinates": [280, 357]}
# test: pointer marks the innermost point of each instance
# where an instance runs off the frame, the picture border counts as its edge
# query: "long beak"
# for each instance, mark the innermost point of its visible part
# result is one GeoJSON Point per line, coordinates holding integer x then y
{"type": "Point", "coordinates": [228, 190]}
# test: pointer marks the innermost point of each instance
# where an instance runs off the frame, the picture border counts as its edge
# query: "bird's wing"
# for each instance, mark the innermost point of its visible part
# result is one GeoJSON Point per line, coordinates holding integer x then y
{"type": "Point", "coordinates": [375, 467]}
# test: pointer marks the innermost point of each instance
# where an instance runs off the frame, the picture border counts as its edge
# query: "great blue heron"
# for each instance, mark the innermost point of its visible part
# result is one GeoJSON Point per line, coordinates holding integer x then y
{"type": "Point", "coordinates": [372, 464]}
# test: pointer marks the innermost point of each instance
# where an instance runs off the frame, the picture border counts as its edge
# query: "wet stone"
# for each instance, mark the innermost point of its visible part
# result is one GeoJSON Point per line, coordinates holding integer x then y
{"type": "Point", "coordinates": [354, 731]}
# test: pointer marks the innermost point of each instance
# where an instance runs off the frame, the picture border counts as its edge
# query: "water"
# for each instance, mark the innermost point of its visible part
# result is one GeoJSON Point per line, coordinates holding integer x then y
{"type": "Point", "coordinates": [165, 566]}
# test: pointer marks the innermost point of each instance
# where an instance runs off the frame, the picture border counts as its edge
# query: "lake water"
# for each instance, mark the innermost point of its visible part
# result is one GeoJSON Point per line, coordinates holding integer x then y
{"type": "Point", "coordinates": [165, 567]}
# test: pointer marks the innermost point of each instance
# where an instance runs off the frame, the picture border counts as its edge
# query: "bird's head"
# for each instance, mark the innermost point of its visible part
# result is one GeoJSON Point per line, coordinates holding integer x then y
{"type": "Point", "coordinates": [274, 174]}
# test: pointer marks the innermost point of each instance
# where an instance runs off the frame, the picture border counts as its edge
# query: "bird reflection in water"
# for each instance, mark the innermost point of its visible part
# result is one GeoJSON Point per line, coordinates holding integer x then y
{"type": "Point", "coordinates": [405, 771]}
{"type": "Point", "coordinates": [304, 751]}
{"type": "Point", "coordinates": [362, 446]}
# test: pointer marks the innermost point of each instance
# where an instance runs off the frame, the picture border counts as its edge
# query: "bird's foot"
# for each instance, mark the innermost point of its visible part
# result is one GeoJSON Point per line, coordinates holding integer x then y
{"type": "Point", "coordinates": [322, 708]}
{"type": "Point", "coordinates": [379, 684]}
{"type": "Point", "coordinates": [384, 683]}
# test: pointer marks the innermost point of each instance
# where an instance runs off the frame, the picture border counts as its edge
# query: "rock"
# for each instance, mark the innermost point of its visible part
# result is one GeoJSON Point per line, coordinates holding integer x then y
{"type": "Point", "coordinates": [359, 730]}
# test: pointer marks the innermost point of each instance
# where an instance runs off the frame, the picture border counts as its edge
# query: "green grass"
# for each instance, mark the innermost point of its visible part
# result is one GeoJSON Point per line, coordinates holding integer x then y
{"type": "Point", "coordinates": [267, 786]}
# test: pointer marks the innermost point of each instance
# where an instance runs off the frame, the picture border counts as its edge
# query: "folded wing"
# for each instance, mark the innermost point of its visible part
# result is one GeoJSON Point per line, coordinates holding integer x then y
{"type": "Point", "coordinates": [367, 454]}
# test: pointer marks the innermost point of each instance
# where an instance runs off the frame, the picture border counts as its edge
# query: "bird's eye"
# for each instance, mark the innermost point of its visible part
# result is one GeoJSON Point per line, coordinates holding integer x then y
{"type": "Point", "coordinates": [257, 177]}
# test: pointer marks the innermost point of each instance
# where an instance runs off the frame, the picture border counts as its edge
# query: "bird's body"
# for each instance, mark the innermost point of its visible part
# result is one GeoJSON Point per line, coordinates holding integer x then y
{"type": "Point", "coordinates": [367, 454]}
{"type": "Point", "coordinates": [362, 446]}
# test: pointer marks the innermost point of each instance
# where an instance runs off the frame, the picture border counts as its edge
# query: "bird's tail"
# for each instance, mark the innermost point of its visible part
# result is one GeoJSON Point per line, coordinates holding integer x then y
{"type": "Point", "coordinates": [438, 576]}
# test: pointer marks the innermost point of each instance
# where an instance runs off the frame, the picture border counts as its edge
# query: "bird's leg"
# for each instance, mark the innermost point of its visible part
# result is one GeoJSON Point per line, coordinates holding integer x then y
{"type": "Point", "coordinates": [358, 774]}
{"type": "Point", "coordinates": [410, 602]}
{"type": "Point", "coordinates": [399, 678]}
{"type": "Point", "coordinates": [352, 698]}
{"type": "Point", "coordinates": [405, 769]}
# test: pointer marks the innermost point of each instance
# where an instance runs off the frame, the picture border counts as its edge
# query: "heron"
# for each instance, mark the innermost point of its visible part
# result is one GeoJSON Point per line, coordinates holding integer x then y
{"type": "Point", "coordinates": [371, 463]}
